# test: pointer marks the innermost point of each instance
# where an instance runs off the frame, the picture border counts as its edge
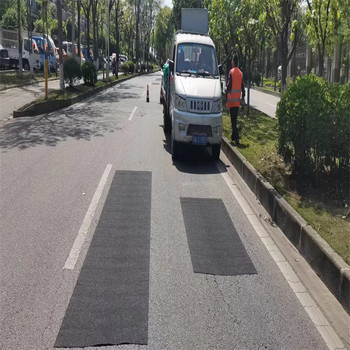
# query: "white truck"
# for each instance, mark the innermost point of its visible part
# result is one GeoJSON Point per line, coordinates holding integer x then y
{"type": "Point", "coordinates": [192, 108]}
{"type": "Point", "coordinates": [9, 41]}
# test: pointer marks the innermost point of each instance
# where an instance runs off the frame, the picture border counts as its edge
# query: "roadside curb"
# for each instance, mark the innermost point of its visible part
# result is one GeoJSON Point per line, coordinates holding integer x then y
{"type": "Point", "coordinates": [266, 91]}
{"type": "Point", "coordinates": [51, 106]}
{"type": "Point", "coordinates": [328, 265]}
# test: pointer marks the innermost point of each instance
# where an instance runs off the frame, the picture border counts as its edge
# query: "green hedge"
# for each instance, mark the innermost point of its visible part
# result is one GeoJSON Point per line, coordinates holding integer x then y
{"type": "Point", "coordinates": [314, 126]}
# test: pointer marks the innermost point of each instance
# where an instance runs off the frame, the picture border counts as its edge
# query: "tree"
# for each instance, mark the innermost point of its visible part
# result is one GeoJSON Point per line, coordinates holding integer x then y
{"type": "Point", "coordinates": [86, 5]}
{"type": "Point", "coordinates": [68, 27]}
{"type": "Point", "coordinates": [20, 65]}
{"type": "Point", "coordinates": [60, 40]}
{"type": "Point", "coordinates": [319, 27]}
{"type": "Point", "coordinates": [10, 16]}
{"type": "Point", "coordinates": [281, 19]}
{"type": "Point", "coordinates": [51, 21]}
{"type": "Point", "coordinates": [163, 33]}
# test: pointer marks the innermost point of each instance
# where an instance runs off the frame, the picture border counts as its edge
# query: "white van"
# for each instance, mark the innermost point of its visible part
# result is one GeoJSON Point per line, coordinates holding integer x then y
{"type": "Point", "coordinates": [194, 100]}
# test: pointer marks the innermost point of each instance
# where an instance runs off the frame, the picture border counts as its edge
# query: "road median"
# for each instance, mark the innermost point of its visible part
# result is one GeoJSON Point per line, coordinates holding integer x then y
{"type": "Point", "coordinates": [329, 266]}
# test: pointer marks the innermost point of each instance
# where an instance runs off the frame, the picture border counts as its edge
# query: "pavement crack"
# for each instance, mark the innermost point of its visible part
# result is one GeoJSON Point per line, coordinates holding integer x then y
{"type": "Point", "coordinates": [229, 307]}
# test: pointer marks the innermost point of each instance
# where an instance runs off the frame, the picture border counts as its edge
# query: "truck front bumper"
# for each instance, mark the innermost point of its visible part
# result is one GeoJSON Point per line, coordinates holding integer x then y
{"type": "Point", "coordinates": [186, 125]}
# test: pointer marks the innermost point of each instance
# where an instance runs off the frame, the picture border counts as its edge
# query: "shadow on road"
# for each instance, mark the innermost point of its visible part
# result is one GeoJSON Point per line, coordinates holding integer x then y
{"type": "Point", "coordinates": [81, 121]}
{"type": "Point", "coordinates": [194, 159]}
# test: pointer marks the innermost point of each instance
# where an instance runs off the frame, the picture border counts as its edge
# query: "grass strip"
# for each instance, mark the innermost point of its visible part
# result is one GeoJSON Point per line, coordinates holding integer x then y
{"type": "Point", "coordinates": [322, 208]}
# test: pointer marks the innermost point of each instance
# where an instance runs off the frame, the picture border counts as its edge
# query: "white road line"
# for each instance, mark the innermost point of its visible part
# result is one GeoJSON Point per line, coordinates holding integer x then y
{"type": "Point", "coordinates": [324, 328]}
{"type": "Point", "coordinates": [132, 113]}
{"type": "Point", "coordinates": [84, 228]}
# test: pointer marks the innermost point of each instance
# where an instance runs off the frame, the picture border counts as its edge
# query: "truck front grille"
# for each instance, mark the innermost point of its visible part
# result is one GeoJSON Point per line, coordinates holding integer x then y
{"type": "Point", "coordinates": [199, 106]}
{"type": "Point", "coordinates": [194, 129]}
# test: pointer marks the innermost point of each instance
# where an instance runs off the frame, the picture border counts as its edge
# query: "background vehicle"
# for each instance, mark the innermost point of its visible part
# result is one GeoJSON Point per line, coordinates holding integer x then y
{"type": "Point", "coordinates": [47, 47]}
{"type": "Point", "coordinates": [9, 42]}
{"type": "Point", "coordinates": [4, 58]}
{"type": "Point", "coordinates": [192, 108]}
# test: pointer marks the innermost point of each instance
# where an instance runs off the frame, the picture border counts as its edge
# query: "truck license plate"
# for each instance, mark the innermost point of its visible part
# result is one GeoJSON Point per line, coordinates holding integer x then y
{"type": "Point", "coordinates": [199, 139]}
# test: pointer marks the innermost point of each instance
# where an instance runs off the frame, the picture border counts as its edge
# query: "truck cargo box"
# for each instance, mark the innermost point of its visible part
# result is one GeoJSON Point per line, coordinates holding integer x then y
{"type": "Point", "coordinates": [195, 20]}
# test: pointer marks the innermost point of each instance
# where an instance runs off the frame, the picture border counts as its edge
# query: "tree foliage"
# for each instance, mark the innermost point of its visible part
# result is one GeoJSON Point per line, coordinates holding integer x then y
{"type": "Point", "coordinates": [10, 16]}
{"type": "Point", "coordinates": [51, 24]}
{"type": "Point", "coordinates": [163, 33]}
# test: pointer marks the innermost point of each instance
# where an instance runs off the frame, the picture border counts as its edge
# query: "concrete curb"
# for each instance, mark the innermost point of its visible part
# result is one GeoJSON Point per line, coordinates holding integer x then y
{"type": "Point", "coordinates": [328, 265]}
{"type": "Point", "coordinates": [51, 106]}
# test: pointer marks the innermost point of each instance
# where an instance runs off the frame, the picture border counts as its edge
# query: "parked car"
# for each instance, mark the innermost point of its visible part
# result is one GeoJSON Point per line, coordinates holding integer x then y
{"type": "Point", "coordinates": [4, 59]}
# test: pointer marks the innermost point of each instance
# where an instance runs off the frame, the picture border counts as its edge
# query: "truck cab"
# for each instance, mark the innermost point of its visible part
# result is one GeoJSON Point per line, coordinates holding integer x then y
{"type": "Point", "coordinates": [194, 103]}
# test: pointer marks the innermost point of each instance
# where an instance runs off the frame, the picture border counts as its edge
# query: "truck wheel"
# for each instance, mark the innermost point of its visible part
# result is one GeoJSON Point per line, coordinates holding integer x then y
{"type": "Point", "coordinates": [215, 149]}
{"type": "Point", "coordinates": [165, 123]}
{"type": "Point", "coordinates": [26, 66]}
{"type": "Point", "coordinates": [174, 148]}
{"type": "Point", "coordinates": [166, 120]}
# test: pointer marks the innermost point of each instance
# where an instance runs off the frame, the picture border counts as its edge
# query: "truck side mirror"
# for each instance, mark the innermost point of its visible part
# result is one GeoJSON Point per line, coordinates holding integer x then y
{"type": "Point", "coordinates": [220, 69]}
{"type": "Point", "coordinates": [171, 66]}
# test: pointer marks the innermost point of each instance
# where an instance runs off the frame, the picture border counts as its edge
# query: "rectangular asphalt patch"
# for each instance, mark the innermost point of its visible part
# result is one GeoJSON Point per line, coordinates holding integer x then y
{"type": "Point", "coordinates": [109, 305]}
{"type": "Point", "coordinates": [214, 243]}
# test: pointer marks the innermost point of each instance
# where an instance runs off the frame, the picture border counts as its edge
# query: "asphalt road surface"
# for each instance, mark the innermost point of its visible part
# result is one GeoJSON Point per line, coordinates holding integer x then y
{"type": "Point", "coordinates": [56, 175]}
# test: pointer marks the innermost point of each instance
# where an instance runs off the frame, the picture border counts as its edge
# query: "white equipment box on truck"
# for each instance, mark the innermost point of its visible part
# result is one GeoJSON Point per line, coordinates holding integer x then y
{"type": "Point", "coordinates": [195, 21]}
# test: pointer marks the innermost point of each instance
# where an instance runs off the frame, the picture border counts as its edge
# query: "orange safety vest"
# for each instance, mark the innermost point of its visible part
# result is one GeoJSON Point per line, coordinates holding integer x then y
{"type": "Point", "coordinates": [234, 95]}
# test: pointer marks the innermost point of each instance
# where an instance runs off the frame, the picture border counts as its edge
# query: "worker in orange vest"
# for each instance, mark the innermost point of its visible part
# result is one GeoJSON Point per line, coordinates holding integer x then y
{"type": "Point", "coordinates": [234, 88]}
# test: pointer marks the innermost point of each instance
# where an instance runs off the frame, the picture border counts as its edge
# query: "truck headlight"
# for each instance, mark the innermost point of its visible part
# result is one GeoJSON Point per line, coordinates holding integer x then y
{"type": "Point", "coordinates": [217, 128]}
{"type": "Point", "coordinates": [180, 103]}
{"type": "Point", "coordinates": [216, 108]}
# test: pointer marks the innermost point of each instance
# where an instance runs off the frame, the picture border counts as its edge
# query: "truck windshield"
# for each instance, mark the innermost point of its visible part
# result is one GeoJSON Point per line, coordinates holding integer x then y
{"type": "Point", "coordinates": [196, 59]}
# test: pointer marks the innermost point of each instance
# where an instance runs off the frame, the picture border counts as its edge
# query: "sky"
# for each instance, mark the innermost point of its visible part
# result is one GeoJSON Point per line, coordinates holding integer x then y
{"type": "Point", "coordinates": [168, 3]}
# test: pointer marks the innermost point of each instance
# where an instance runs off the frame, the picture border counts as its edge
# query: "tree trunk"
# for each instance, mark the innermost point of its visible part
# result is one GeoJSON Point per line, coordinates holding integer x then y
{"type": "Point", "coordinates": [137, 34]}
{"type": "Point", "coordinates": [117, 38]}
{"type": "Point", "coordinates": [20, 63]}
{"type": "Point", "coordinates": [336, 63]}
{"type": "Point", "coordinates": [73, 28]}
{"type": "Point", "coordinates": [79, 48]}
{"type": "Point", "coordinates": [94, 19]}
{"type": "Point", "coordinates": [284, 59]}
{"type": "Point", "coordinates": [30, 38]}
{"type": "Point", "coordinates": [60, 39]}
{"type": "Point", "coordinates": [308, 59]}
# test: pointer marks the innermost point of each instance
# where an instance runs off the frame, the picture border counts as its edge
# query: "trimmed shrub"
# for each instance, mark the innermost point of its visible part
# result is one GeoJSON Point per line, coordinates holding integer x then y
{"type": "Point", "coordinates": [131, 67]}
{"type": "Point", "coordinates": [314, 126]}
{"type": "Point", "coordinates": [338, 155]}
{"type": "Point", "coordinates": [89, 73]}
{"type": "Point", "coordinates": [125, 67]}
{"type": "Point", "coordinates": [71, 71]}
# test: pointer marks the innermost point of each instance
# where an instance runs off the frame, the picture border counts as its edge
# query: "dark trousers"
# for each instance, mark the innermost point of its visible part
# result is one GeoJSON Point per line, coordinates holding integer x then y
{"type": "Point", "coordinates": [234, 115]}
